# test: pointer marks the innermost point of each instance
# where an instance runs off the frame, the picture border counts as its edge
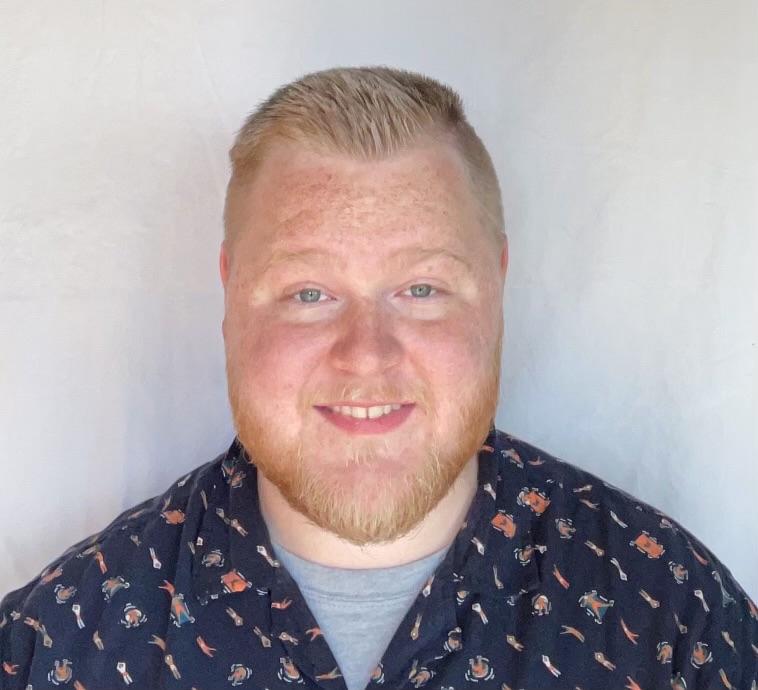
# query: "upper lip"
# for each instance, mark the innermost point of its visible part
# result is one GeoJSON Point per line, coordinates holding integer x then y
{"type": "Point", "coordinates": [358, 403]}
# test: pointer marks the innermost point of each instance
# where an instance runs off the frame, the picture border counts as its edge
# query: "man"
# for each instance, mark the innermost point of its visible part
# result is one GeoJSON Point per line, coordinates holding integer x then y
{"type": "Point", "coordinates": [368, 527]}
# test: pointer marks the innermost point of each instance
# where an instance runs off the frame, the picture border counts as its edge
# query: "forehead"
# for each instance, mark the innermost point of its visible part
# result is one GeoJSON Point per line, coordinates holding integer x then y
{"type": "Point", "coordinates": [302, 199]}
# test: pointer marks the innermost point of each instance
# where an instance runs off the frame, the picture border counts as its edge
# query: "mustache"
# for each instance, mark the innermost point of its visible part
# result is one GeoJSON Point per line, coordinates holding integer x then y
{"type": "Point", "coordinates": [419, 394]}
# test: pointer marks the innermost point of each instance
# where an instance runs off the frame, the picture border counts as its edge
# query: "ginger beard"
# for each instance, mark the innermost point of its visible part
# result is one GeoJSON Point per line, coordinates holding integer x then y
{"type": "Point", "coordinates": [352, 495]}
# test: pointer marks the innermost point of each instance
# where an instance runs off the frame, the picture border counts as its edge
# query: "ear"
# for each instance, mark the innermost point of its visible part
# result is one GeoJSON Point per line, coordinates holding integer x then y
{"type": "Point", "coordinates": [504, 259]}
{"type": "Point", "coordinates": [223, 265]}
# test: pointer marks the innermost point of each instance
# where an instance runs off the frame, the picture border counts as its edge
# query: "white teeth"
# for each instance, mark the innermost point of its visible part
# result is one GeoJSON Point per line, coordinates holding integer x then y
{"type": "Point", "coordinates": [373, 412]}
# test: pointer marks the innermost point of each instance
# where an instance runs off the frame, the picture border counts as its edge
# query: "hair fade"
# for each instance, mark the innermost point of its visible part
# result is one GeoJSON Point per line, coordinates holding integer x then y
{"type": "Point", "coordinates": [367, 113]}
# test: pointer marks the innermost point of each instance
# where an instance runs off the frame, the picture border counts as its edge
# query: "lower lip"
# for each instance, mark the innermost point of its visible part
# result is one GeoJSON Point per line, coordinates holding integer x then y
{"type": "Point", "coordinates": [380, 425]}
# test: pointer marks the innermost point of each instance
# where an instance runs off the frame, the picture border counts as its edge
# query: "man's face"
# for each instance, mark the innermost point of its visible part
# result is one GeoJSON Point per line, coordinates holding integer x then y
{"type": "Point", "coordinates": [363, 328]}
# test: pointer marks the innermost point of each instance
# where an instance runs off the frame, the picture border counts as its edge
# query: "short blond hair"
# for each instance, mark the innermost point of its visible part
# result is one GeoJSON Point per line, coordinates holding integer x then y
{"type": "Point", "coordinates": [368, 113]}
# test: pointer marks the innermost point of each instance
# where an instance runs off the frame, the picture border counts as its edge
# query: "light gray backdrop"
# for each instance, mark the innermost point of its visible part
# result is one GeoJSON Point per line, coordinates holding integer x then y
{"type": "Point", "coordinates": [625, 137]}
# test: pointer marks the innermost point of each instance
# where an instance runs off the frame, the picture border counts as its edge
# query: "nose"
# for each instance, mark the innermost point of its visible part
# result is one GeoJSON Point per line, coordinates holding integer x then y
{"type": "Point", "coordinates": [366, 344]}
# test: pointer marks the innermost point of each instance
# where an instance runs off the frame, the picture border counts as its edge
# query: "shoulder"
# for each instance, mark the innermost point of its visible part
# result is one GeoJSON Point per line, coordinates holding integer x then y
{"type": "Point", "coordinates": [597, 543]}
{"type": "Point", "coordinates": [113, 548]}
{"type": "Point", "coordinates": [574, 507]}
{"type": "Point", "coordinates": [144, 543]}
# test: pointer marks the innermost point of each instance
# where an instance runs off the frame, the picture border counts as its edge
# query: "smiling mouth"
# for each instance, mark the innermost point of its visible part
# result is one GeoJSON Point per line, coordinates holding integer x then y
{"type": "Point", "coordinates": [364, 412]}
{"type": "Point", "coordinates": [367, 419]}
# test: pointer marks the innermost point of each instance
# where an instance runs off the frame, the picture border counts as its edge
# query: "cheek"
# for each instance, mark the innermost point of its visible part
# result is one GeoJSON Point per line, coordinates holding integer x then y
{"type": "Point", "coordinates": [275, 362]}
{"type": "Point", "coordinates": [451, 358]}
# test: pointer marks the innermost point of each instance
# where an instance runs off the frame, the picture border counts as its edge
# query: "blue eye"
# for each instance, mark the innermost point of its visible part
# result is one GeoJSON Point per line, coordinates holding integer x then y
{"type": "Point", "coordinates": [421, 290]}
{"type": "Point", "coordinates": [309, 295]}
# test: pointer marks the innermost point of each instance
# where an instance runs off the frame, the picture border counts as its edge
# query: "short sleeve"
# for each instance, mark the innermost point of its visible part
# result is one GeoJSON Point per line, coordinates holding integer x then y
{"type": "Point", "coordinates": [17, 641]}
{"type": "Point", "coordinates": [724, 647]}
{"type": "Point", "coordinates": [740, 622]}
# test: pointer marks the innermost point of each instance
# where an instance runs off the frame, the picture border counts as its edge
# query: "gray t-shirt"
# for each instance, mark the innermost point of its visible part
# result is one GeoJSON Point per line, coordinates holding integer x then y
{"type": "Point", "coordinates": [359, 611]}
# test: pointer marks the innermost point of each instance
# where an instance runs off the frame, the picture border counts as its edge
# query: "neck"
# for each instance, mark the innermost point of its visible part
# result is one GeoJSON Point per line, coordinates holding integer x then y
{"type": "Point", "coordinates": [436, 531]}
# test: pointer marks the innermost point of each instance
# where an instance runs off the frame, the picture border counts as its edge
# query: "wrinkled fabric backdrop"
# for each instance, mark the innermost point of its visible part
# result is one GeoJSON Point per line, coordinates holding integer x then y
{"type": "Point", "coordinates": [625, 138]}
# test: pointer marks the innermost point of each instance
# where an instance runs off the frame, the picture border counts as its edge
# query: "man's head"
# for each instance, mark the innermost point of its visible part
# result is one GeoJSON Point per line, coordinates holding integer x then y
{"type": "Point", "coordinates": [363, 266]}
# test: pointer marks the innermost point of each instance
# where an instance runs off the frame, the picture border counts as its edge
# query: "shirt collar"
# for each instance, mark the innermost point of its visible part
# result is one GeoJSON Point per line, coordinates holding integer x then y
{"type": "Point", "coordinates": [233, 550]}
{"type": "Point", "coordinates": [486, 557]}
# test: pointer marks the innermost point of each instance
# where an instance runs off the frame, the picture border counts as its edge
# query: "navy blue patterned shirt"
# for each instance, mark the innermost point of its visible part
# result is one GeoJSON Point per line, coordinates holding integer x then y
{"type": "Point", "coordinates": [555, 580]}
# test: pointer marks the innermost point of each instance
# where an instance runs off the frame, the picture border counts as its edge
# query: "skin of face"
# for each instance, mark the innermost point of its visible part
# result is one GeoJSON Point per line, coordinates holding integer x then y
{"type": "Point", "coordinates": [362, 283]}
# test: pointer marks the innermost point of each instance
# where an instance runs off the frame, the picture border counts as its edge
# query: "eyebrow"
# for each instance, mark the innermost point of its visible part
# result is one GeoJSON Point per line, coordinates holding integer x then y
{"type": "Point", "coordinates": [408, 256]}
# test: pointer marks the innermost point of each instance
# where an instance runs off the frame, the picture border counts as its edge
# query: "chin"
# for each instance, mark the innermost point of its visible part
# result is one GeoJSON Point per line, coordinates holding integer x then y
{"type": "Point", "coordinates": [367, 488]}
{"type": "Point", "coordinates": [369, 479]}
{"type": "Point", "coordinates": [372, 499]}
